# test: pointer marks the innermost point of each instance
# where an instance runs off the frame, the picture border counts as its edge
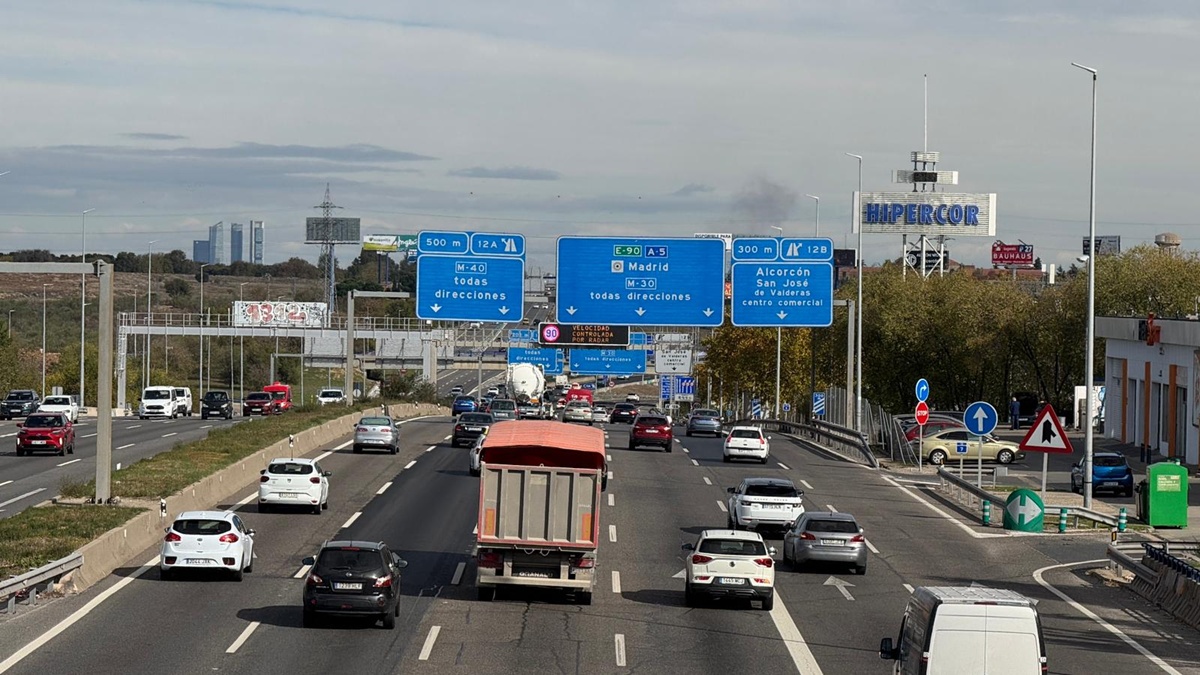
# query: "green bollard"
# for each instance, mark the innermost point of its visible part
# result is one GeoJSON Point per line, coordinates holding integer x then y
{"type": "Point", "coordinates": [1122, 521]}
{"type": "Point", "coordinates": [1062, 520]}
{"type": "Point", "coordinates": [987, 512]}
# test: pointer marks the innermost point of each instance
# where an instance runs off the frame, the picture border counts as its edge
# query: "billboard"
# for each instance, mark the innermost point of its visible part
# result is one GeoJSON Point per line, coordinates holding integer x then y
{"type": "Point", "coordinates": [726, 237]}
{"type": "Point", "coordinates": [1012, 255]}
{"type": "Point", "coordinates": [926, 213]}
{"type": "Point", "coordinates": [387, 243]}
{"type": "Point", "coordinates": [1109, 245]}
{"type": "Point", "coordinates": [331, 230]}
{"type": "Point", "coordinates": [279, 314]}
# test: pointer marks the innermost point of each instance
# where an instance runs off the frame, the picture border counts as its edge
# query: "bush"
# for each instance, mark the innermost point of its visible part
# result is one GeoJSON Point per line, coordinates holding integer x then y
{"type": "Point", "coordinates": [409, 388]}
{"type": "Point", "coordinates": [177, 288]}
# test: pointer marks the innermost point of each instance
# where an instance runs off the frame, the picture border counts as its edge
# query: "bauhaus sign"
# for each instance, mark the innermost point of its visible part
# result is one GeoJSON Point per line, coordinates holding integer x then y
{"type": "Point", "coordinates": [1013, 255]}
{"type": "Point", "coordinates": [927, 213]}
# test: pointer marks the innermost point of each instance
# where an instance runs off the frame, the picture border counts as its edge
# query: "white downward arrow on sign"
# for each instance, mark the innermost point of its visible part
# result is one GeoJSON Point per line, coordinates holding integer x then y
{"type": "Point", "coordinates": [708, 311]}
{"type": "Point", "coordinates": [503, 311]}
{"type": "Point", "coordinates": [571, 310]}
{"type": "Point", "coordinates": [782, 315]}
{"type": "Point", "coordinates": [841, 586]}
{"type": "Point", "coordinates": [436, 308]}
{"type": "Point", "coordinates": [1023, 510]}
{"type": "Point", "coordinates": [640, 311]}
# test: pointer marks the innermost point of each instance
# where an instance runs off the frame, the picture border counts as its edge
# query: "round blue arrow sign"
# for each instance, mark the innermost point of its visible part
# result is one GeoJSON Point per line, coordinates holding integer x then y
{"type": "Point", "coordinates": [922, 390]}
{"type": "Point", "coordinates": [980, 418]}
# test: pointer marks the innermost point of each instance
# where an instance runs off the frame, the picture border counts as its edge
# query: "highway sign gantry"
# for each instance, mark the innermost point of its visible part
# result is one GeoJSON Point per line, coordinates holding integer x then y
{"type": "Point", "coordinates": [550, 359]}
{"type": "Point", "coordinates": [607, 361]}
{"type": "Point", "coordinates": [782, 282]}
{"type": "Point", "coordinates": [635, 281]}
{"type": "Point", "coordinates": [980, 418]}
{"type": "Point", "coordinates": [470, 276]}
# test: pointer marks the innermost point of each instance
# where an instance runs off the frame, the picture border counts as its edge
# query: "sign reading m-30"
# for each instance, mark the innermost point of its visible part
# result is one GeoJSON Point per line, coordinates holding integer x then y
{"type": "Point", "coordinates": [782, 282]}
{"type": "Point", "coordinates": [632, 281]}
{"type": "Point", "coordinates": [470, 276]}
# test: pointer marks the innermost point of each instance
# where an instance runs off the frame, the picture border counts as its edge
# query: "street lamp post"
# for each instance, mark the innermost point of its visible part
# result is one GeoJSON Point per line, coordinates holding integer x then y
{"type": "Point", "coordinates": [202, 328]}
{"type": "Point", "coordinates": [1090, 365]}
{"type": "Point", "coordinates": [858, 356]}
{"type": "Point", "coordinates": [82, 297]}
{"type": "Point", "coordinates": [241, 350]}
{"type": "Point", "coordinates": [778, 346]}
{"type": "Point", "coordinates": [44, 339]}
{"type": "Point", "coordinates": [817, 218]}
{"type": "Point", "coordinates": [812, 332]}
{"type": "Point", "coordinates": [149, 268]}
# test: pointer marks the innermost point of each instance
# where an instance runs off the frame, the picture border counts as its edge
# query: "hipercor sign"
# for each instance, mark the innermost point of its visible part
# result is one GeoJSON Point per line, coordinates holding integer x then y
{"type": "Point", "coordinates": [927, 213]}
{"type": "Point", "coordinates": [1012, 255]}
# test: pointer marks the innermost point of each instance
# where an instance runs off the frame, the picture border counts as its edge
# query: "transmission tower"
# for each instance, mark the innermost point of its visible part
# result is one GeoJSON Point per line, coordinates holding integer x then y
{"type": "Point", "coordinates": [327, 247]}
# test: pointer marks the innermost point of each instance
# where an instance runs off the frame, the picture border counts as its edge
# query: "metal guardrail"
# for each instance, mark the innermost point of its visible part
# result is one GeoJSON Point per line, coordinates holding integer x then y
{"type": "Point", "coordinates": [983, 495]}
{"type": "Point", "coordinates": [1164, 556]}
{"type": "Point", "coordinates": [846, 441]}
{"type": "Point", "coordinates": [26, 585]}
{"type": "Point", "coordinates": [1119, 554]}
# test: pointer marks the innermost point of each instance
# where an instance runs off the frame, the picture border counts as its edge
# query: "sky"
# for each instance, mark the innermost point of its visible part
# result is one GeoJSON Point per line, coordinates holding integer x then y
{"type": "Point", "coordinates": [620, 118]}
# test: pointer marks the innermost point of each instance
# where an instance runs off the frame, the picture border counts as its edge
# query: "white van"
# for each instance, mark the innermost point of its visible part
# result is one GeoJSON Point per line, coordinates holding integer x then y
{"type": "Point", "coordinates": [183, 401]}
{"type": "Point", "coordinates": [158, 401]}
{"type": "Point", "coordinates": [950, 630]}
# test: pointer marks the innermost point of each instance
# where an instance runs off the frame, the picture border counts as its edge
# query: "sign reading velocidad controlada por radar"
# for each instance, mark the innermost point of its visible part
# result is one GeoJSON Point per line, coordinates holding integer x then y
{"type": "Point", "coordinates": [925, 213]}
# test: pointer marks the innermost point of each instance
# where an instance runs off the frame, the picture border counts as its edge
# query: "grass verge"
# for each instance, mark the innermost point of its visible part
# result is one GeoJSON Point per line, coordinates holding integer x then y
{"type": "Point", "coordinates": [39, 536]}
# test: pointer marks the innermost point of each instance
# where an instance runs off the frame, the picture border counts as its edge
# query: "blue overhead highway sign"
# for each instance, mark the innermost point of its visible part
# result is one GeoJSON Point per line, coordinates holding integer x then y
{"type": "Point", "coordinates": [632, 281]}
{"type": "Point", "coordinates": [522, 335]}
{"type": "Point", "coordinates": [807, 250]}
{"type": "Point", "coordinates": [980, 418]}
{"type": "Point", "coordinates": [782, 282]}
{"type": "Point", "coordinates": [437, 241]}
{"type": "Point", "coordinates": [755, 248]}
{"type": "Point", "coordinates": [549, 358]}
{"type": "Point", "coordinates": [608, 361]}
{"type": "Point", "coordinates": [464, 276]}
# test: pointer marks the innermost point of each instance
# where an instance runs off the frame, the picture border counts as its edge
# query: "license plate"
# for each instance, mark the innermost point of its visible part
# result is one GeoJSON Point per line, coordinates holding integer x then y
{"type": "Point", "coordinates": [198, 561]}
{"type": "Point", "coordinates": [832, 542]}
{"type": "Point", "coordinates": [38, 442]}
{"type": "Point", "coordinates": [474, 429]}
{"type": "Point", "coordinates": [651, 431]}
{"type": "Point", "coordinates": [1111, 483]}
{"type": "Point", "coordinates": [772, 506]}
{"type": "Point", "coordinates": [347, 586]}
{"type": "Point", "coordinates": [532, 573]}
{"type": "Point", "coordinates": [732, 581]}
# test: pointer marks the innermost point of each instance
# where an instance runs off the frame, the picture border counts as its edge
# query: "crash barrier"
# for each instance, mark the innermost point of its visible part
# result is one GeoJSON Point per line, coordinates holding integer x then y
{"type": "Point", "coordinates": [970, 495]}
{"type": "Point", "coordinates": [846, 442]}
{"type": "Point", "coordinates": [26, 587]}
{"type": "Point", "coordinates": [1163, 578]}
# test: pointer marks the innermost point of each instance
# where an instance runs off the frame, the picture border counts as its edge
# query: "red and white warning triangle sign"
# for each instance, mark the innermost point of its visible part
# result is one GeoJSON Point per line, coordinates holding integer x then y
{"type": "Point", "coordinates": [1046, 434]}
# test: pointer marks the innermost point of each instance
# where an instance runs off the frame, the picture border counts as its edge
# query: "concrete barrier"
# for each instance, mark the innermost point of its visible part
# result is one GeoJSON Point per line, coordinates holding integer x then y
{"type": "Point", "coordinates": [1172, 591]}
{"type": "Point", "coordinates": [118, 546]}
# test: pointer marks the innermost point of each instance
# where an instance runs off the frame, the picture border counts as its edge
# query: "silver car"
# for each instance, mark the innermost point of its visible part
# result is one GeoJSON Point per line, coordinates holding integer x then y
{"type": "Point", "coordinates": [377, 432]}
{"type": "Point", "coordinates": [599, 414]}
{"type": "Point", "coordinates": [578, 411]}
{"type": "Point", "coordinates": [824, 536]}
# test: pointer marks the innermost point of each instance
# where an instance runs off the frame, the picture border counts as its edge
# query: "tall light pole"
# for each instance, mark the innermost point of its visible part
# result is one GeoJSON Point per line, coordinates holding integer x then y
{"type": "Point", "coordinates": [858, 354]}
{"type": "Point", "coordinates": [817, 218]}
{"type": "Point", "coordinates": [778, 346]}
{"type": "Point", "coordinates": [149, 268]}
{"type": "Point", "coordinates": [44, 339]}
{"type": "Point", "coordinates": [241, 351]}
{"type": "Point", "coordinates": [1090, 366]}
{"type": "Point", "coordinates": [202, 328]}
{"type": "Point", "coordinates": [812, 332]}
{"type": "Point", "coordinates": [82, 296]}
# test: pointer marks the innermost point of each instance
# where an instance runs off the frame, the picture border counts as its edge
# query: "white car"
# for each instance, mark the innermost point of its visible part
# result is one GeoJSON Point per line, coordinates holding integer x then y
{"type": "Point", "coordinates": [60, 404]}
{"type": "Point", "coordinates": [209, 540]}
{"type": "Point", "coordinates": [746, 443]}
{"type": "Point", "coordinates": [764, 503]}
{"type": "Point", "coordinates": [293, 482]}
{"type": "Point", "coordinates": [493, 391]}
{"type": "Point", "coordinates": [633, 398]}
{"type": "Point", "coordinates": [473, 457]}
{"type": "Point", "coordinates": [730, 564]}
{"type": "Point", "coordinates": [600, 414]}
{"type": "Point", "coordinates": [327, 396]}
{"type": "Point", "coordinates": [578, 411]}
{"type": "Point", "coordinates": [456, 390]}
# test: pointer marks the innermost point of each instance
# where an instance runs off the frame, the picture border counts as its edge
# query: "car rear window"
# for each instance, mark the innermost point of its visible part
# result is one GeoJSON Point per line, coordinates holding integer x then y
{"type": "Point", "coordinates": [839, 526]}
{"type": "Point", "coordinates": [651, 421]}
{"type": "Point", "coordinates": [733, 547]}
{"type": "Point", "coordinates": [290, 468]}
{"type": "Point", "coordinates": [475, 418]}
{"type": "Point", "coordinates": [624, 407]}
{"type": "Point", "coordinates": [202, 527]}
{"type": "Point", "coordinates": [746, 433]}
{"type": "Point", "coordinates": [350, 560]}
{"type": "Point", "coordinates": [771, 491]}
{"type": "Point", "coordinates": [706, 413]}
{"type": "Point", "coordinates": [57, 400]}
{"type": "Point", "coordinates": [461, 399]}
{"type": "Point", "coordinates": [1108, 461]}
{"type": "Point", "coordinates": [43, 421]}
{"type": "Point", "coordinates": [375, 421]}
{"type": "Point", "coordinates": [502, 404]}
{"type": "Point", "coordinates": [258, 396]}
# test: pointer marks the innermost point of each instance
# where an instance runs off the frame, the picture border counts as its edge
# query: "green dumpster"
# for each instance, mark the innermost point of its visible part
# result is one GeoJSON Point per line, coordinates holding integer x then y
{"type": "Point", "coordinates": [1163, 496]}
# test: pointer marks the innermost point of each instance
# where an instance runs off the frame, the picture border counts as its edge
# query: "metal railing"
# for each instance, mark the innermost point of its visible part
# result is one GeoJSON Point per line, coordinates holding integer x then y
{"type": "Point", "coordinates": [964, 487]}
{"type": "Point", "coordinates": [844, 441]}
{"type": "Point", "coordinates": [1175, 563]}
{"type": "Point", "coordinates": [25, 586]}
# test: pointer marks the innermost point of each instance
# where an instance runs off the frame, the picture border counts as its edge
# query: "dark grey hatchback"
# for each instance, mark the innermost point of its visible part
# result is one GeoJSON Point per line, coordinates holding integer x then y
{"type": "Point", "coordinates": [353, 578]}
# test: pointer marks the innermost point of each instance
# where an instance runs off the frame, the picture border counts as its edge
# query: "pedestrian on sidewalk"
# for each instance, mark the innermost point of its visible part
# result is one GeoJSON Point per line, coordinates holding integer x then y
{"type": "Point", "coordinates": [1014, 414]}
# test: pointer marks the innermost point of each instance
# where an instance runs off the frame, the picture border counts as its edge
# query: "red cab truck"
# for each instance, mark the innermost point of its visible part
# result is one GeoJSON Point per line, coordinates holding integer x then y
{"type": "Point", "coordinates": [282, 393]}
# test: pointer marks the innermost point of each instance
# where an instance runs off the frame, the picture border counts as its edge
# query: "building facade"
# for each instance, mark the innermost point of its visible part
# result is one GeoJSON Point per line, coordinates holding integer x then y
{"type": "Point", "coordinates": [236, 252]}
{"type": "Point", "coordinates": [200, 251]}
{"type": "Point", "coordinates": [256, 242]}
{"type": "Point", "coordinates": [216, 244]}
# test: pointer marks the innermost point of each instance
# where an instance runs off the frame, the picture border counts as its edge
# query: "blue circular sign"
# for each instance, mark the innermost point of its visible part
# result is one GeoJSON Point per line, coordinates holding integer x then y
{"type": "Point", "coordinates": [980, 418]}
{"type": "Point", "coordinates": [922, 390]}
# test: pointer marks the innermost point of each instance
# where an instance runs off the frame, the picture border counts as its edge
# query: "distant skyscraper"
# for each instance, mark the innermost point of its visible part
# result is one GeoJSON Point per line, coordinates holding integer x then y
{"type": "Point", "coordinates": [235, 243]}
{"type": "Point", "coordinates": [200, 250]}
{"type": "Point", "coordinates": [216, 244]}
{"type": "Point", "coordinates": [256, 242]}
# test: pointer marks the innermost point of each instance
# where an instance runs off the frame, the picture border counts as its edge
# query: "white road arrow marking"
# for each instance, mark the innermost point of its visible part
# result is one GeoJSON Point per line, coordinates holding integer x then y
{"type": "Point", "coordinates": [640, 311]}
{"type": "Point", "coordinates": [571, 310]}
{"type": "Point", "coordinates": [681, 574]}
{"type": "Point", "coordinates": [503, 311]}
{"type": "Point", "coordinates": [841, 586]}
{"type": "Point", "coordinates": [1023, 506]}
{"type": "Point", "coordinates": [708, 311]}
{"type": "Point", "coordinates": [436, 308]}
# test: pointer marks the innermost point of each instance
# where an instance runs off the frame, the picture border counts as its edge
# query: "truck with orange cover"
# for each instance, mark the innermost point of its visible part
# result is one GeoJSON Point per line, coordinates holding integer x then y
{"type": "Point", "coordinates": [539, 507]}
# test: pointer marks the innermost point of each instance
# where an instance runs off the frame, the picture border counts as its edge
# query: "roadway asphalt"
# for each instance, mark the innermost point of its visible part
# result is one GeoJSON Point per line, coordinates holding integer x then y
{"type": "Point", "coordinates": [25, 481]}
{"type": "Point", "coordinates": [655, 502]}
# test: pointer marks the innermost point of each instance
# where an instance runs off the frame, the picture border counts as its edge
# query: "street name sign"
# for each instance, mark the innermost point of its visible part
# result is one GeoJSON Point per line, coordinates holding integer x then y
{"type": "Point", "coordinates": [470, 276]}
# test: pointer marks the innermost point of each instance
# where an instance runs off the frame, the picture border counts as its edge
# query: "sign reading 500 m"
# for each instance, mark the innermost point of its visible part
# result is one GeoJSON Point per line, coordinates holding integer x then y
{"type": "Point", "coordinates": [928, 213]}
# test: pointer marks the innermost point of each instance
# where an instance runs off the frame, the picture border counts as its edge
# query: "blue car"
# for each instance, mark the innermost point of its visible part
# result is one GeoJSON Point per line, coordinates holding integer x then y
{"type": "Point", "coordinates": [462, 404]}
{"type": "Point", "coordinates": [1110, 471]}
{"type": "Point", "coordinates": [589, 385]}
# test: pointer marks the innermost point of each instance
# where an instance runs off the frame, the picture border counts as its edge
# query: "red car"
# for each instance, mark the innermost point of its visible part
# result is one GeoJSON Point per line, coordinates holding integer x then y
{"type": "Point", "coordinates": [46, 431]}
{"type": "Point", "coordinates": [651, 430]}
{"type": "Point", "coordinates": [260, 403]}
{"type": "Point", "coordinates": [932, 426]}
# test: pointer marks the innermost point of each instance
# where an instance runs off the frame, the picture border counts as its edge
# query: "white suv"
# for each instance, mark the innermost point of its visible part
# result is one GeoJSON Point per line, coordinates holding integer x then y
{"type": "Point", "coordinates": [765, 503]}
{"type": "Point", "coordinates": [158, 401]}
{"type": "Point", "coordinates": [293, 482]}
{"type": "Point", "coordinates": [183, 401]}
{"type": "Point", "coordinates": [730, 564]}
{"type": "Point", "coordinates": [207, 540]}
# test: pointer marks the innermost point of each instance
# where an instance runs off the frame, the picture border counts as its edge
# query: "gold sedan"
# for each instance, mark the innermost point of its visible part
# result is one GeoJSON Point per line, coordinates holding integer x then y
{"type": "Point", "coordinates": [950, 443]}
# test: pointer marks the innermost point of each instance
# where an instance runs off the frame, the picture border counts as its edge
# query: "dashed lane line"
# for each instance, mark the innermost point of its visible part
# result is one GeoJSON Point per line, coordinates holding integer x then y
{"type": "Point", "coordinates": [134, 426]}
{"type": "Point", "coordinates": [384, 488]}
{"type": "Point", "coordinates": [5, 483]}
{"type": "Point", "coordinates": [695, 463]}
{"type": "Point", "coordinates": [829, 508]}
{"type": "Point", "coordinates": [70, 461]}
{"type": "Point", "coordinates": [907, 587]}
{"type": "Point", "coordinates": [303, 571]}
{"type": "Point", "coordinates": [806, 484]}
{"type": "Point", "coordinates": [611, 499]}
{"type": "Point", "coordinates": [619, 643]}
{"type": "Point", "coordinates": [429, 449]}
{"type": "Point", "coordinates": [783, 466]}
{"type": "Point", "coordinates": [127, 445]}
{"type": "Point", "coordinates": [458, 574]}
{"type": "Point", "coordinates": [410, 464]}
{"type": "Point", "coordinates": [20, 497]}
{"type": "Point", "coordinates": [427, 648]}
{"type": "Point", "coordinates": [88, 435]}
{"type": "Point", "coordinates": [241, 640]}
{"type": "Point", "coordinates": [351, 520]}
{"type": "Point", "coordinates": [871, 547]}
{"type": "Point", "coordinates": [323, 455]}
{"type": "Point", "coordinates": [173, 433]}
{"type": "Point", "coordinates": [721, 505]}
{"type": "Point", "coordinates": [707, 481]}
{"type": "Point", "coordinates": [612, 533]}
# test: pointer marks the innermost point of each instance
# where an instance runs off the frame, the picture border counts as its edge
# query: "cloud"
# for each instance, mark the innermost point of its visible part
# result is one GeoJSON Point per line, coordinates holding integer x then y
{"type": "Point", "coordinates": [151, 136]}
{"type": "Point", "coordinates": [763, 204]}
{"type": "Point", "coordinates": [508, 172]}
{"type": "Point", "coordinates": [360, 152]}
{"type": "Point", "coordinates": [692, 188]}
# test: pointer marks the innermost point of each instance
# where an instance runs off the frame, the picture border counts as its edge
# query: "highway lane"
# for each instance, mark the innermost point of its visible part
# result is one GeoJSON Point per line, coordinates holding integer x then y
{"type": "Point", "coordinates": [467, 379]}
{"type": "Point", "coordinates": [25, 481]}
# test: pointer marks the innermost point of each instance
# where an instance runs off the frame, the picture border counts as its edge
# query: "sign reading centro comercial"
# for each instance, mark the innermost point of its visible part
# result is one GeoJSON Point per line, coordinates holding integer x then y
{"type": "Point", "coordinates": [927, 213]}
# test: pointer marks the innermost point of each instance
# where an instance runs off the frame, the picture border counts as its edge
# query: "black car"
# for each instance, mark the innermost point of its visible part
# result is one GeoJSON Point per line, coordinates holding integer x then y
{"type": "Point", "coordinates": [19, 403]}
{"type": "Point", "coordinates": [623, 412]}
{"type": "Point", "coordinates": [353, 578]}
{"type": "Point", "coordinates": [470, 426]}
{"type": "Point", "coordinates": [216, 404]}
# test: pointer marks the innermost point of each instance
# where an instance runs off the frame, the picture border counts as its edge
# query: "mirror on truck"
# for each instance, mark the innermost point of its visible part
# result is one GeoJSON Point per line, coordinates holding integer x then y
{"type": "Point", "coordinates": [886, 651]}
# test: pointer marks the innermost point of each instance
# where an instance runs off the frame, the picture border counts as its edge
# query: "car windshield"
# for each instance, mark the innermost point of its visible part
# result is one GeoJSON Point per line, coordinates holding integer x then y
{"type": "Point", "coordinates": [624, 407]}
{"type": "Point", "coordinates": [746, 433]}
{"type": "Point", "coordinates": [1100, 460]}
{"type": "Point", "coordinates": [43, 421]}
{"type": "Point", "coordinates": [839, 526]}
{"type": "Point", "coordinates": [350, 559]}
{"type": "Point", "coordinates": [20, 396]}
{"type": "Point", "coordinates": [290, 468]}
{"type": "Point", "coordinates": [706, 413]}
{"type": "Point", "coordinates": [502, 404]}
{"type": "Point", "coordinates": [733, 547]}
{"type": "Point", "coordinates": [258, 396]}
{"type": "Point", "coordinates": [375, 422]}
{"type": "Point", "coordinates": [330, 393]}
{"type": "Point", "coordinates": [475, 418]}
{"type": "Point", "coordinates": [218, 396]}
{"type": "Point", "coordinates": [769, 490]}
{"type": "Point", "coordinates": [202, 527]}
{"type": "Point", "coordinates": [156, 395]}
{"type": "Point", "coordinates": [57, 400]}
{"type": "Point", "coordinates": [651, 421]}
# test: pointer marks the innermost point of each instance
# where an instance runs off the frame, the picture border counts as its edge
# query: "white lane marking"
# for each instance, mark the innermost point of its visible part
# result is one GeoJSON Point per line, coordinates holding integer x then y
{"type": "Point", "coordinates": [446, 438]}
{"type": "Point", "coordinates": [920, 483]}
{"type": "Point", "coordinates": [611, 499]}
{"type": "Point", "coordinates": [1037, 576]}
{"type": "Point", "coordinates": [345, 445]}
{"type": "Point", "coordinates": [410, 464]}
{"type": "Point", "coordinates": [707, 481]}
{"type": "Point", "coordinates": [458, 574]}
{"type": "Point", "coordinates": [134, 426]}
{"type": "Point", "coordinates": [608, 457]}
{"type": "Point", "coordinates": [619, 642]}
{"type": "Point", "coordinates": [430, 448]}
{"type": "Point", "coordinates": [19, 498]}
{"type": "Point", "coordinates": [806, 484]}
{"type": "Point", "coordinates": [612, 533]}
{"type": "Point", "coordinates": [384, 488]}
{"type": "Point", "coordinates": [610, 475]}
{"type": "Point", "coordinates": [70, 461]}
{"type": "Point", "coordinates": [5, 483]}
{"type": "Point", "coordinates": [943, 514]}
{"type": "Point", "coordinates": [205, 426]}
{"type": "Point", "coordinates": [721, 505]}
{"type": "Point", "coordinates": [616, 581]}
{"type": "Point", "coordinates": [127, 445]}
{"type": "Point", "coordinates": [475, 531]}
{"type": "Point", "coordinates": [841, 586]}
{"type": "Point", "coordinates": [802, 656]}
{"type": "Point", "coordinates": [783, 466]}
{"type": "Point", "coordinates": [169, 435]}
{"type": "Point", "coordinates": [9, 435]}
{"type": "Point", "coordinates": [66, 623]}
{"type": "Point", "coordinates": [687, 451]}
{"type": "Point", "coordinates": [322, 456]}
{"type": "Point", "coordinates": [87, 435]}
{"type": "Point", "coordinates": [353, 518]}
{"type": "Point", "coordinates": [695, 463]}
{"type": "Point", "coordinates": [871, 546]}
{"type": "Point", "coordinates": [427, 648]}
{"type": "Point", "coordinates": [907, 587]}
{"type": "Point", "coordinates": [829, 508]}
{"type": "Point", "coordinates": [245, 500]}
{"type": "Point", "coordinates": [303, 571]}
{"type": "Point", "coordinates": [242, 638]}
